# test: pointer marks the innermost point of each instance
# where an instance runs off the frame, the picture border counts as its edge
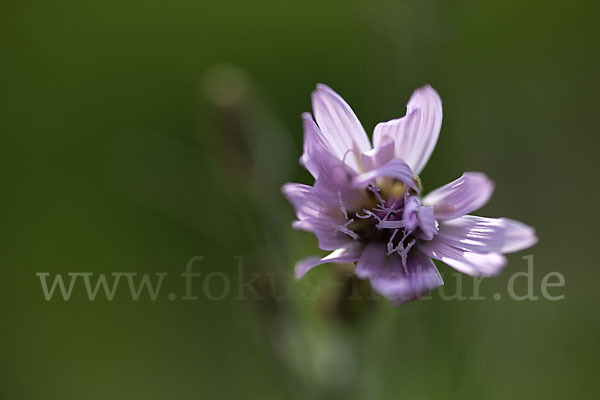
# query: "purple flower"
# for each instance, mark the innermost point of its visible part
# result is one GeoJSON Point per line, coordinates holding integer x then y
{"type": "Point", "coordinates": [366, 207]}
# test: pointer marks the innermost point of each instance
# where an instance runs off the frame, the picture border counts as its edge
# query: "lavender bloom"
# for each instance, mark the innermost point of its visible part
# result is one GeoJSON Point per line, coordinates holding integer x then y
{"type": "Point", "coordinates": [366, 207]}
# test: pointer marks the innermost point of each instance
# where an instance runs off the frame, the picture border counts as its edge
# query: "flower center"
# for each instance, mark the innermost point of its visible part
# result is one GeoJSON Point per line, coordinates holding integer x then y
{"type": "Point", "coordinates": [394, 217]}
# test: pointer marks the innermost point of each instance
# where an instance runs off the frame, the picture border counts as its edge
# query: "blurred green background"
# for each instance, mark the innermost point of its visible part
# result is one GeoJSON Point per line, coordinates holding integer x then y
{"type": "Point", "coordinates": [136, 135]}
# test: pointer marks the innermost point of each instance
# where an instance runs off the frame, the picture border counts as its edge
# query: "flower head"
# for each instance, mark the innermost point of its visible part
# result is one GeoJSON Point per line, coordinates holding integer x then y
{"type": "Point", "coordinates": [366, 205]}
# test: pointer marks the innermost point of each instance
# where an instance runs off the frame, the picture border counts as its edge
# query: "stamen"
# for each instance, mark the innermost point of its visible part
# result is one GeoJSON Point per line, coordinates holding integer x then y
{"type": "Point", "coordinates": [393, 208]}
{"type": "Point", "coordinates": [399, 248]}
{"type": "Point", "coordinates": [346, 154]}
{"type": "Point", "coordinates": [390, 243]}
{"type": "Point", "coordinates": [376, 190]}
{"type": "Point", "coordinates": [357, 156]}
{"type": "Point", "coordinates": [368, 214]}
{"type": "Point", "coordinates": [344, 229]}
{"type": "Point", "coordinates": [404, 255]}
{"type": "Point", "coordinates": [390, 224]}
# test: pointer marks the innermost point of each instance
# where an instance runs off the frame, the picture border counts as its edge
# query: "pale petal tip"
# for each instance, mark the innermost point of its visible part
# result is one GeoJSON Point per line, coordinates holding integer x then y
{"type": "Point", "coordinates": [497, 265]}
{"type": "Point", "coordinates": [322, 86]}
{"type": "Point", "coordinates": [305, 265]}
{"type": "Point", "coordinates": [527, 236]}
{"type": "Point", "coordinates": [488, 265]}
{"type": "Point", "coordinates": [429, 91]}
{"type": "Point", "coordinates": [487, 185]}
{"type": "Point", "coordinates": [306, 115]}
{"type": "Point", "coordinates": [288, 189]}
{"type": "Point", "coordinates": [324, 92]}
{"type": "Point", "coordinates": [532, 240]}
{"type": "Point", "coordinates": [297, 224]}
{"type": "Point", "coordinates": [322, 89]}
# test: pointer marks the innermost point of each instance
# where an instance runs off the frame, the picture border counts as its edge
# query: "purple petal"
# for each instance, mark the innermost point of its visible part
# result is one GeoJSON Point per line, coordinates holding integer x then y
{"type": "Point", "coordinates": [409, 215]}
{"type": "Point", "coordinates": [337, 178]}
{"type": "Point", "coordinates": [304, 199]}
{"type": "Point", "coordinates": [416, 216]}
{"type": "Point", "coordinates": [339, 256]}
{"type": "Point", "coordinates": [334, 173]}
{"type": "Point", "coordinates": [315, 146]}
{"type": "Point", "coordinates": [325, 229]}
{"type": "Point", "coordinates": [395, 168]}
{"type": "Point", "coordinates": [466, 194]}
{"type": "Point", "coordinates": [345, 137]}
{"type": "Point", "coordinates": [390, 279]}
{"type": "Point", "coordinates": [427, 223]}
{"type": "Point", "coordinates": [415, 135]}
{"type": "Point", "coordinates": [378, 156]}
{"type": "Point", "coordinates": [484, 235]}
{"type": "Point", "coordinates": [467, 262]}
